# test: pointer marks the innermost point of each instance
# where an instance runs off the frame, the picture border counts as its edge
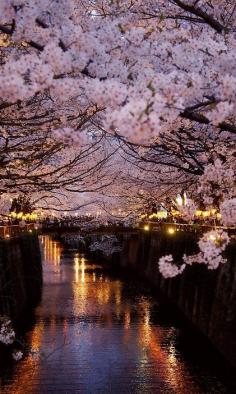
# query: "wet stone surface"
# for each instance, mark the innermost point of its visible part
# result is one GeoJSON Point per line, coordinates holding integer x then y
{"type": "Point", "coordinates": [97, 333]}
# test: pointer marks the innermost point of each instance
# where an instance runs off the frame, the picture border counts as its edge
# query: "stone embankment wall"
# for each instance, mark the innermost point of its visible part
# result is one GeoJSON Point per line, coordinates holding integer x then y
{"type": "Point", "coordinates": [20, 275]}
{"type": "Point", "coordinates": [207, 298]}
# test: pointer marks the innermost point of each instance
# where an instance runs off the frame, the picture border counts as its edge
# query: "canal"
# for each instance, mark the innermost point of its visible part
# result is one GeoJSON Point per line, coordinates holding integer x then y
{"type": "Point", "coordinates": [95, 332]}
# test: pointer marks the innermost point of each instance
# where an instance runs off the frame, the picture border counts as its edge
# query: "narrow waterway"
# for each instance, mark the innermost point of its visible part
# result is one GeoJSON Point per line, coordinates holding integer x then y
{"type": "Point", "coordinates": [97, 333]}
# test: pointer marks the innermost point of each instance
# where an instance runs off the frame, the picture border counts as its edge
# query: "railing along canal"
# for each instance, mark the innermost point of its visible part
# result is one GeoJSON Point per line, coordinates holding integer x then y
{"type": "Point", "coordinates": [14, 230]}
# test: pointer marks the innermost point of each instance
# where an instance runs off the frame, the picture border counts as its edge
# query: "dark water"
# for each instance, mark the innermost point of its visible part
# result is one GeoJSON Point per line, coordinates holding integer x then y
{"type": "Point", "coordinates": [96, 333]}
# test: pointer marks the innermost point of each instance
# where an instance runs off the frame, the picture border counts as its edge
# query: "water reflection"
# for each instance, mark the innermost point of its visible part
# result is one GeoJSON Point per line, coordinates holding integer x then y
{"type": "Point", "coordinates": [100, 334]}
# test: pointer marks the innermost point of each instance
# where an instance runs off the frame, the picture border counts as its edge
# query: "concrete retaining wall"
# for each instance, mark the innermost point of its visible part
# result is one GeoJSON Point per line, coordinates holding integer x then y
{"type": "Point", "coordinates": [207, 298]}
{"type": "Point", "coordinates": [20, 275]}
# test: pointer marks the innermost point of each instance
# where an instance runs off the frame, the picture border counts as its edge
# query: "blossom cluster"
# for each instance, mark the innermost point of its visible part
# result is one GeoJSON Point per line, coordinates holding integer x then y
{"type": "Point", "coordinates": [217, 182]}
{"type": "Point", "coordinates": [135, 68]}
{"type": "Point", "coordinates": [167, 267]}
{"type": "Point", "coordinates": [74, 239]}
{"type": "Point", "coordinates": [188, 210]}
{"type": "Point", "coordinates": [108, 244]}
{"type": "Point", "coordinates": [228, 212]}
{"type": "Point", "coordinates": [8, 337]}
{"type": "Point", "coordinates": [17, 355]}
{"type": "Point", "coordinates": [7, 334]}
{"type": "Point", "coordinates": [211, 246]}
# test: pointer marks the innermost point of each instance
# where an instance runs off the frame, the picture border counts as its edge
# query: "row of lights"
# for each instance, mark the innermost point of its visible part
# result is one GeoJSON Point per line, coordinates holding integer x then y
{"type": "Point", "coordinates": [8, 236]}
{"type": "Point", "coordinates": [22, 216]}
{"type": "Point", "coordinates": [182, 201]}
{"type": "Point", "coordinates": [198, 213]}
{"type": "Point", "coordinates": [170, 230]}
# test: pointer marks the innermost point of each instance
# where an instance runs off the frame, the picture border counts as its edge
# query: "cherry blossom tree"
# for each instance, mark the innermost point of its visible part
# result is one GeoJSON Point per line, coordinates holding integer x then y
{"type": "Point", "coordinates": [156, 78]}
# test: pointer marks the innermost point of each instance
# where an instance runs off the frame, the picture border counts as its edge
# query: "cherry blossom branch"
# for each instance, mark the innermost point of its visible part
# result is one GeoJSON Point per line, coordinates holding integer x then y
{"type": "Point", "coordinates": [202, 119]}
{"type": "Point", "coordinates": [197, 11]}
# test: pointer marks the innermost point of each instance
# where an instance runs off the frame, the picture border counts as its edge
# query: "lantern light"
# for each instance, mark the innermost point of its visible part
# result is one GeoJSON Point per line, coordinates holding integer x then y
{"type": "Point", "coordinates": [212, 237]}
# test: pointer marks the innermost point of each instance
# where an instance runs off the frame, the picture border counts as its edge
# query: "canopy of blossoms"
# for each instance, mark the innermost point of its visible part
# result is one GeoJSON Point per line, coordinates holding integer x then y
{"type": "Point", "coordinates": [119, 103]}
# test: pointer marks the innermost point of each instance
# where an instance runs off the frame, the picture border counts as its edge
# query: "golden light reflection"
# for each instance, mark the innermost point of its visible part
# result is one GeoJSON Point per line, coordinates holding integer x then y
{"type": "Point", "coordinates": [102, 291]}
{"type": "Point", "coordinates": [118, 292]}
{"type": "Point", "coordinates": [118, 299]}
{"type": "Point", "coordinates": [172, 356]}
{"type": "Point", "coordinates": [127, 318]}
{"type": "Point", "coordinates": [52, 250]}
{"type": "Point", "coordinates": [37, 335]}
{"type": "Point", "coordinates": [82, 268]}
{"type": "Point", "coordinates": [80, 286]}
{"type": "Point", "coordinates": [76, 267]}
{"type": "Point", "coordinates": [152, 340]}
{"type": "Point", "coordinates": [145, 327]}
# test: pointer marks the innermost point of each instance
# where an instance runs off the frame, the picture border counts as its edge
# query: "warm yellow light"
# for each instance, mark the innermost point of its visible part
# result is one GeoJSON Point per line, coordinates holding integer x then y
{"type": "Point", "coordinates": [212, 237]}
{"type": "Point", "coordinates": [206, 214]}
{"type": "Point", "coordinates": [158, 215]}
{"type": "Point", "coordinates": [175, 213]}
{"type": "Point", "coordinates": [30, 231]}
{"type": "Point", "coordinates": [162, 214]}
{"type": "Point", "coordinates": [143, 216]}
{"type": "Point", "coordinates": [7, 236]}
{"type": "Point", "coordinates": [146, 227]}
{"type": "Point", "coordinates": [171, 230]}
